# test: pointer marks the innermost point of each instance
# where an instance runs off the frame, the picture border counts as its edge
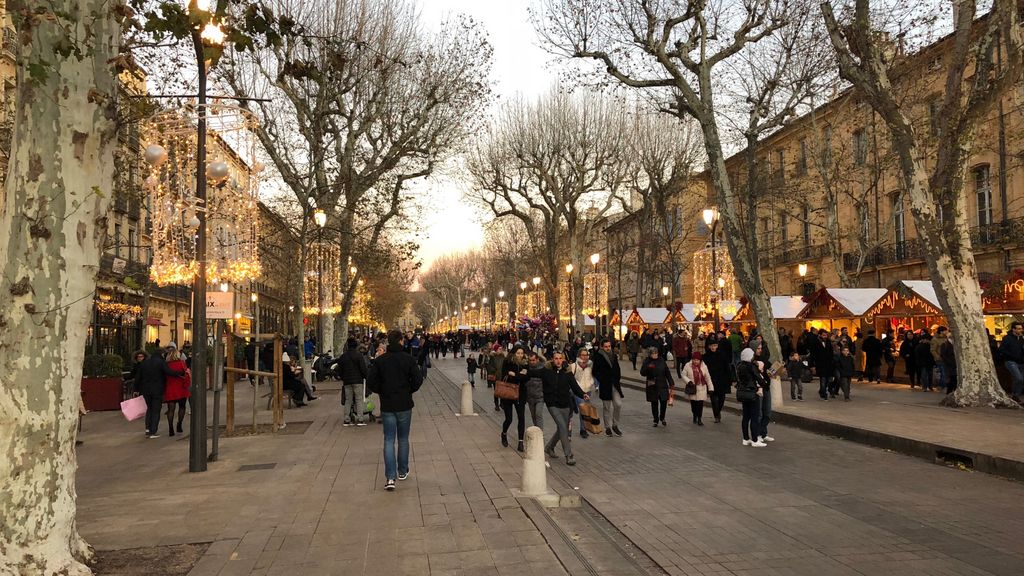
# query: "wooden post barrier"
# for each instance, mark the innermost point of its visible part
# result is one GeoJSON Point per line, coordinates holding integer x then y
{"type": "Point", "coordinates": [229, 353]}
{"type": "Point", "coordinates": [275, 376]}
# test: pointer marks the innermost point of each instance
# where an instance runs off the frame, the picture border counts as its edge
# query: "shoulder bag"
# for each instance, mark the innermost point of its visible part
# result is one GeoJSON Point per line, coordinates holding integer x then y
{"type": "Point", "coordinates": [506, 390]}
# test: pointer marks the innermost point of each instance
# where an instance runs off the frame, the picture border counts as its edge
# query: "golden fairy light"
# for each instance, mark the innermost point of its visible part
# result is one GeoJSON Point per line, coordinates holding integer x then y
{"type": "Point", "coordinates": [522, 305]}
{"type": "Point", "coordinates": [714, 287]}
{"type": "Point", "coordinates": [231, 209]}
{"type": "Point", "coordinates": [537, 303]}
{"type": "Point", "coordinates": [595, 294]}
{"type": "Point", "coordinates": [501, 313]}
{"type": "Point", "coordinates": [485, 314]}
{"type": "Point", "coordinates": [360, 312]}
{"type": "Point", "coordinates": [564, 313]}
{"type": "Point", "coordinates": [473, 318]}
{"type": "Point", "coordinates": [322, 279]}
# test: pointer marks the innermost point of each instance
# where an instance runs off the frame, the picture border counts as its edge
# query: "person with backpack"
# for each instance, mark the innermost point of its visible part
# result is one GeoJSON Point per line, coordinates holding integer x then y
{"type": "Point", "coordinates": [471, 370]}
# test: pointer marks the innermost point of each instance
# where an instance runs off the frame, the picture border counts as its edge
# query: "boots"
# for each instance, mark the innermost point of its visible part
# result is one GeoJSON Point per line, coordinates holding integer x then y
{"type": "Point", "coordinates": [520, 447]}
{"type": "Point", "coordinates": [504, 440]}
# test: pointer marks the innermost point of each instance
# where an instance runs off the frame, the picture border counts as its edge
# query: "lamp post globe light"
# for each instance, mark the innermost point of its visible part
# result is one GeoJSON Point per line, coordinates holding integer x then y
{"type": "Point", "coordinates": [572, 308]}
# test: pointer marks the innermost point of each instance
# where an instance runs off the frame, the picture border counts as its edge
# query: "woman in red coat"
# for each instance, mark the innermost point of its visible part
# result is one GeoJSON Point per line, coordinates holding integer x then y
{"type": "Point", "coordinates": [177, 391]}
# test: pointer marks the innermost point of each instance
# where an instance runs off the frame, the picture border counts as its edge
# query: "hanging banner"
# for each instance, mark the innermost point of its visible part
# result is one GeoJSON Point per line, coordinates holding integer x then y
{"type": "Point", "coordinates": [220, 305]}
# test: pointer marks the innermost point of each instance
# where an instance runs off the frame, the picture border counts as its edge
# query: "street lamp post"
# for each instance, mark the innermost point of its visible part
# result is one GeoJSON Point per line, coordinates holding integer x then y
{"type": "Point", "coordinates": [711, 219]}
{"type": "Point", "coordinates": [598, 318]}
{"type": "Point", "coordinates": [664, 295]}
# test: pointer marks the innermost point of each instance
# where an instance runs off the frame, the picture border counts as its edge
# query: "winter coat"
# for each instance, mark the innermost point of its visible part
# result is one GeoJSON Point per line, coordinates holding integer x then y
{"type": "Point", "coordinates": [471, 365]}
{"type": "Point", "coordinates": [936, 346]}
{"type": "Point", "coordinates": [151, 378]}
{"type": "Point", "coordinates": [845, 365]}
{"type": "Point", "coordinates": [1012, 348]}
{"type": "Point", "coordinates": [659, 378]}
{"type": "Point", "coordinates": [517, 376]}
{"type": "Point", "coordinates": [794, 369]}
{"type": "Point", "coordinates": [823, 358]}
{"type": "Point", "coordinates": [633, 344]}
{"type": "Point", "coordinates": [353, 367]}
{"type": "Point", "coordinates": [178, 387]}
{"type": "Point", "coordinates": [534, 384]}
{"type": "Point", "coordinates": [702, 388]}
{"type": "Point", "coordinates": [872, 348]}
{"type": "Point", "coordinates": [719, 366]}
{"type": "Point", "coordinates": [584, 376]}
{"type": "Point", "coordinates": [395, 377]}
{"type": "Point", "coordinates": [948, 356]}
{"type": "Point", "coordinates": [748, 377]}
{"type": "Point", "coordinates": [923, 355]}
{"type": "Point", "coordinates": [607, 374]}
{"type": "Point", "coordinates": [682, 348]}
{"type": "Point", "coordinates": [559, 386]}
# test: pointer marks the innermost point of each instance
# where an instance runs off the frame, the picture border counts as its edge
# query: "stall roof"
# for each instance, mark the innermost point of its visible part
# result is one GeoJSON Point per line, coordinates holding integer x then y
{"type": "Point", "coordinates": [688, 312]}
{"type": "Point", "coordinates": [855, 300]}
{"type": "Point", "coordinates": [787, 307]}
{"type": "Point", "coordinates": [924, 289]}
{"type": "Point", "coordinates": [652, 315]}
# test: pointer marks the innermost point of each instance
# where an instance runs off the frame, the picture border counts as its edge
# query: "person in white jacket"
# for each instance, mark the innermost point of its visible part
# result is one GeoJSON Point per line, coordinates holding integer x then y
{"type": "Point", "coordinates": [582, 370]}
{"type": "Point", "coordinates": [696, 386]}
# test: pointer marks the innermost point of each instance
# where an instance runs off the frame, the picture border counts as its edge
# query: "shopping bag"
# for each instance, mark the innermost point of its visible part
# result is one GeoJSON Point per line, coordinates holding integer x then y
{"type": "Point", "coordinates": [134, 408]}
{"type": "Point", "coordinates": [671, 395]}
{"type": "Point", "coordinates": [506, 390]}
{"type": "Point", "coordinates": [590, 419]}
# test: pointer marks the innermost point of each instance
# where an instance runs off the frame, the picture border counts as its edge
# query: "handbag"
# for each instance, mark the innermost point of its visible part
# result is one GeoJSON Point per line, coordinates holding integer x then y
{"type": "Point", "coordinates": [506, 390]}
{"type": "Point", "coordinates": [745, 394]}
{"type": "Point", "coordinates": [690, 389]}
{"type": "Point", "coordinates": [134, 408]}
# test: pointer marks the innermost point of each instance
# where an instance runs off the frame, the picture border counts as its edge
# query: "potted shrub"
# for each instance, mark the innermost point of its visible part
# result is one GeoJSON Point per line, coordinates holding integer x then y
{"type": "Point", "coordinates": [101, 381]}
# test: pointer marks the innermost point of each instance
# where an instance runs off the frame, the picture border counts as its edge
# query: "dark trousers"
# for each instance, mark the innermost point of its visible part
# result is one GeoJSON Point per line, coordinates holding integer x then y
{"type": "Point", "coordinates": [658, 409]}
{"type": "Point", "coordinates": [697, 408]}
{"type": "Point", "coordinates": [912, 373]}
{"type": "Point", "coordinates": [750, 425]}
{"type": "Point", "coordinates": [765, 411]}
{"type": "Point", "coordinates": [153, 404]}
{"type": "Point", "coordinates": [717, 401]}
{"type": "Point", "coordinates": [825, 385]}
{"type": "Point", "coordinates": [890, 367]}
{"type": "Point", "coordinates": [520, 407]}
{"type": "Point", "coordinates": [872, 372]}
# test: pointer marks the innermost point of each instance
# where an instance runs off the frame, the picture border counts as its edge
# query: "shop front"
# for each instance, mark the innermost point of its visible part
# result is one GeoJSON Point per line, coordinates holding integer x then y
{"type": "Point", "coordinates": [1004, 307]}
{"type": "Point", "coordinates": [785, 312]}
{"type": "Point", "coordinates": [837, 308]}
{"type": "Point", "coordinates": [907, 305]}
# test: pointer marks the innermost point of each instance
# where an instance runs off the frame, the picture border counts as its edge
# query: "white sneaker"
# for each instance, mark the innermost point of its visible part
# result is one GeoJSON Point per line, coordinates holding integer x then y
{"type": "Point", "coordinates": [766, 439]}
{"type": "Point", "coordinates": [403, 476]}
{"type": "Point", "coordinates": [759, 444]}
{"type": "Point", "coordinates": [360, 424]}
{"type": "Point", "coordinates": [389, 485]}
{"type": "Point", "coordinates": [346, 424]}
{"type": "Point", "coordinates": [747, 442]}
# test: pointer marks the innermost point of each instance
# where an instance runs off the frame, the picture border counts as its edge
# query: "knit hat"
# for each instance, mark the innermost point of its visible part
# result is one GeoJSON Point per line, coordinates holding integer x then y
{"type": "Point", "coordinates": [285, 357]}
{"type": "Point", "coordinates": [747, 355]}
{"type": "Point", "coordinates": [697, 356]}
{"type": "Point", "coordinates": [352, 343]}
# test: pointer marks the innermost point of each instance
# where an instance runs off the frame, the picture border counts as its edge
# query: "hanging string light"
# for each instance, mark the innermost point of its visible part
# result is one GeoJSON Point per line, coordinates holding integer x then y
{"type": "Point", "coordinates": [564, 312]}
{"type": "Point", "coordinates": [710, 290]}
{"type": "Point", "coordinates": [360, 312]}
{"type": "Point", "coordinates": [322, 279]}
{"type": "Point", "coordinates": [501, 314]}
{"type": "Point", "coordinates": [485, 314]}
{"type": "Point", "coordinates": [232, 201]}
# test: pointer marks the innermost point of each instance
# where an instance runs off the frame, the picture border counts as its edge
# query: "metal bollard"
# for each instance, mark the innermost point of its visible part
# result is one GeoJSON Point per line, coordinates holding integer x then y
{"type": "Point", "coordinates": [535, 478]}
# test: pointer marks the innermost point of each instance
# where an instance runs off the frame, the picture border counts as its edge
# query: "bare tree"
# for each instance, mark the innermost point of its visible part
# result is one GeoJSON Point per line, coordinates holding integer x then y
{"type": "Point", "coordinates": [687, 57]}
{"type": "Point", "coordinates": [973, 83]}
{"type": "Point", "coordinates": [367, 102]}
{"type": "Point", "coordinates": [556, 166]}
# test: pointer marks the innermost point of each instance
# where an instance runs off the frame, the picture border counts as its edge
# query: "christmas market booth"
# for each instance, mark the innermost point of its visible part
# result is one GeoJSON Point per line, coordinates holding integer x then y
{"type": "Point", "coordinates": [1003, 301]}
{"type": "Point", "coordinates": [785, 311]}
{"type": "Point", "coordinates": [641, 319]}
{"type": "Point", "coordinates": [833, 308]}
{"type": "Point", "coordinates": [907, 305]}
{"type": "Point", "coordinates": [615, 325]}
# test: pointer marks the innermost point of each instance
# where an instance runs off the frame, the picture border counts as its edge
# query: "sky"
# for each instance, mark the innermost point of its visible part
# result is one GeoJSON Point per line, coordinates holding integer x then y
{"type": "Point", "coordinates": [519, 66]}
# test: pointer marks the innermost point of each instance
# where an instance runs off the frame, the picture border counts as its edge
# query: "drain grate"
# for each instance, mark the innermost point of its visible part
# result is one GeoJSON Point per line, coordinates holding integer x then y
{"type": "Point", "coordinates": [248, 467]}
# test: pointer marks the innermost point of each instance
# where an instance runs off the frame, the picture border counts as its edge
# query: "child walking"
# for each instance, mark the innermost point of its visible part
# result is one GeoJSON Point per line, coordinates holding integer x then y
{"type": "Point", "coordinates": [795, 369]}
{"type": "Point", "coordinates": [471, 369]}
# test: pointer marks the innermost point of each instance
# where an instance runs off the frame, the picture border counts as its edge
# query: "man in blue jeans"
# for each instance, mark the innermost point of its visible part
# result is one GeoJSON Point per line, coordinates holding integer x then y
{"type": "Point", "coordinates": [394, 376]}
{"type": "Point", "coordinates": [1012, 351]}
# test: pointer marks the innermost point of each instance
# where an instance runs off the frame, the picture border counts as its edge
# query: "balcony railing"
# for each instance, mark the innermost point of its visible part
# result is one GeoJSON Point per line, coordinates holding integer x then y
{"type": "Point", "coordinates": [983, 238]}
{"type": "Point", "coordinates": [795, 255]}
{"type": "Point", "coordinates": [10, 42]}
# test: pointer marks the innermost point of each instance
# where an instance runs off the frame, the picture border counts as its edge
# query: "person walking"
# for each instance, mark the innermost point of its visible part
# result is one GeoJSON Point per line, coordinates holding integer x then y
{"type": "Point", "coordinates": [939, 368]}
{"type": "Point", "coordinates": [889, 354]}
{"type": "Point", "coordinates": [823, 360]}
{"type": "Point", "coordinates": [608, 376]}
{"type": "Point", "coordinates": [633, 347]}
{"type": "Point", "coordinates": [949, 363]}
{"type": "Point", "coordinates": [1011, 349]}
{"type": "Point", "coordinates": [924, 361]}
{"type": "Point", "coordinates": [749, 389]}
{"type": "Point", "coordinates": [682, 349]}
{"type": "Point", "coordinates": [151, 382]}
{"type": "Point", "coordinates": [514, 371]}
{"type": "Point", "coordinates": [471, 370]}
{"type": "Point", "coordinates": [494, 373]}
{"type": "Point", "coordinates": [178, 388]}
{"type": "Point", "coordinates": [909, 361]}
{"type": "Point", "coordinates": [697, 384]}
{"type": "Point", "coordinates": [873, 351]}
{"type": "Point", "coordinates": [719, 364]}
{"type": "Point", "coordinates": [795, 372]}
{"type": "Point", "coordinates": [559, 388]}
{"type": "Point", "coordinates": [395, 376]}
{"type": "Point", "coordinates": [659, 380]}
{"type": "Point", "coordinates": [354, 369]}
{"type": "Point", "coordinates": [846, 367]}
{"type": "Point", "coordinates": [535, 389]}
{"type": "Point", "coordinates": [582, 369]}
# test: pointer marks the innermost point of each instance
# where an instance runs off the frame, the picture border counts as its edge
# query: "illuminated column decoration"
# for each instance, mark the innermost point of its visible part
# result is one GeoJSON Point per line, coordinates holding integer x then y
{"type": "Point", "coordinates": [485, 315]}
{"type": "Point", "coordinates": [501, 313]}
{"type": "Point", "coordinates": [708, 291]}
{"type": "Point", "coordinates": [564, 312]}
{"type": "Point", "coordinates": [473, 318]}
{"type": "Point", "coordinates": [595, 294]}
{"type": "Point", "coordinates": [231, 209]}
{"type": "Point", "coordinates": [360, 312]}
{"type": "Point", "coordinates": [322, 279]}
{"type": "Point", "coordinates": [523, 305]}
{"type": "Point", "coordinates": [537, 303]}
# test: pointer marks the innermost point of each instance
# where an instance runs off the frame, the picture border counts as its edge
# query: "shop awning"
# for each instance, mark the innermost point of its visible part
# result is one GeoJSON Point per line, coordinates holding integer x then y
{"type": "Point", "coordinates": [783, 308]}
{"type": "Point", "coordinates": [841, 302]}
{"type": "Point", "coordinates": [924, 289]}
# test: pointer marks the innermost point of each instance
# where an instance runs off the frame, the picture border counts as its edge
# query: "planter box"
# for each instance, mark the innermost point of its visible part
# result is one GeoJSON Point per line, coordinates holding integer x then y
{"type": "Point", "coordinates": [102, 393]}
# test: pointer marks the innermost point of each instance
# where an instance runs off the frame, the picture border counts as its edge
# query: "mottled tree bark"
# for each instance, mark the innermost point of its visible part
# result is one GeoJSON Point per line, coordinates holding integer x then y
{"type": "Point", "coordinates": [54, 221]}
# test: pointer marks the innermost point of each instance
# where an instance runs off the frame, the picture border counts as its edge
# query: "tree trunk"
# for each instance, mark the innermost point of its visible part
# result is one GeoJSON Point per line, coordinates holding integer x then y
{"type": "Point", "coordinates": [740, 250]}
{"type": "Point", "coordinates": [54, 221]}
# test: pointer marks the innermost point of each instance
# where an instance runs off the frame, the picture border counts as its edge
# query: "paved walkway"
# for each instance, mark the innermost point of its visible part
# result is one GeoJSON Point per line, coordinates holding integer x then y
{"type": "Point", "coordinates": [315, 504]}
{"type": "Point", "coordinates": [697, 502]}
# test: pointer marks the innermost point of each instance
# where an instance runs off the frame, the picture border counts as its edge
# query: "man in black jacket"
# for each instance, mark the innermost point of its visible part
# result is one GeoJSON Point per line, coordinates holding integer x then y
{"type": "Point", "coordinates": [151, 381]}
{"type": "Point", "coordinates": [872, 348]}
{"type": "Point", "coordinates": [352, 367]}
{"type": "Point", "coordinates": [559, 388]}
{"type": "Point", "coordinates": [608, 377]}
{"type": "Point", "coordinates": [720, 368]}
{"type": "Point", "coordinates": [1012, 351]}
{"type": "Point", "coordinates": [394, 376]}
{"type": "Point", "coordinates": [823, 360]}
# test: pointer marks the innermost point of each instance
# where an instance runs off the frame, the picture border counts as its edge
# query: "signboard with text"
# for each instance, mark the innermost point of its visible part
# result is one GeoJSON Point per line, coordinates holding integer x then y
{"type": "Point", "coordinates": [220, 305]}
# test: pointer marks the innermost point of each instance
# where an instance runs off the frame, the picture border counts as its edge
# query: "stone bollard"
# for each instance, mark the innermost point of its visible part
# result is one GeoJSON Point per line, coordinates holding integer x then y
{"type": "Point", "coordinates": [535, 475]}
{"type": "Point", "coordinates": [467, 400]}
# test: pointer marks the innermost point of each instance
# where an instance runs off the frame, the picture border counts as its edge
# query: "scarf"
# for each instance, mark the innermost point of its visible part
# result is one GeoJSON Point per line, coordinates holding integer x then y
{"type": "Point", "coordinates": [698, 375]}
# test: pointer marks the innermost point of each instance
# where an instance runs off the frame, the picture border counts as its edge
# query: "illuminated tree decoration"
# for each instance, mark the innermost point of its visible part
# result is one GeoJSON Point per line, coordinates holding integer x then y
{"type": "Point", "coordinates": [485, 316]}
{"type": "Point", "coordinates": [564, 313]}
{"type": "Point", "coordinates": [360, 312]}
{"type": "Point", "coordinates": [595, 294]}
{"type": "Point", "coordinates": [501, 313]}
{"type": "Point", "coordinates": [537, 303]}
{"type": "Point", "coordinates": [709, 290]}
{"type": "Point", "coordinates": [522, 305]}
{"type": "Point", "coordinates": [232, 220]}
{"type": "Point", "coordinates": [322, 279]}
{"type": "Point", "coordinates": [473, 318]}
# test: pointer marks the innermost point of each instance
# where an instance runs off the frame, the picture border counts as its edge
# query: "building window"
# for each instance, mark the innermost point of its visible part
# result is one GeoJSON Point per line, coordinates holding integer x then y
{"type": "Point", "coordinates": [865, 221]}
{"type": "Point", "coordinates": [983, 193]}
{"type": "Point", "coordinates": [801, 165]}
{"type": "Point", "coordinates": [783, 229]}
{"type": "Point", "coordinates": [131, 245]}
{"type": "Point", "coordinates": [806, 232]}
{"type": "Point", "coordinates": [934, 108]}
{"type": "Point", "coordinates": [860, 147]}
{"type": "Point", "coordinates": [899, 226]}
{"type": "Point", "coordinates": [117, 240]}
{"type": "Point", "coordinates": [780, 166]}
{"type": "Point", "coordinates": [826, 147]}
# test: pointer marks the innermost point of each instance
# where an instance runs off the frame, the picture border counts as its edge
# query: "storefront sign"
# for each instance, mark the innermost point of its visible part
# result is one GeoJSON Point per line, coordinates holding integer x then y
{"type": "Point", "coordinates": [220, 305]}
{"type": "Point", "coordinates": [244, 325]}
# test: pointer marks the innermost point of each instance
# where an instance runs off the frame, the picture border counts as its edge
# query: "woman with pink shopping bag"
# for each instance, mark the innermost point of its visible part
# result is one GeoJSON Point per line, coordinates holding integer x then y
{"type": "Point", "coordinates": [151, 381]}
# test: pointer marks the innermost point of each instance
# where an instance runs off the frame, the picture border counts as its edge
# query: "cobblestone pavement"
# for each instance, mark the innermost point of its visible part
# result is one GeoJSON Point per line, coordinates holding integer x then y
{"type": "Point", "coordinates": [698, 502]}
{"type": "Point", "coordinates": [315, 503]}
